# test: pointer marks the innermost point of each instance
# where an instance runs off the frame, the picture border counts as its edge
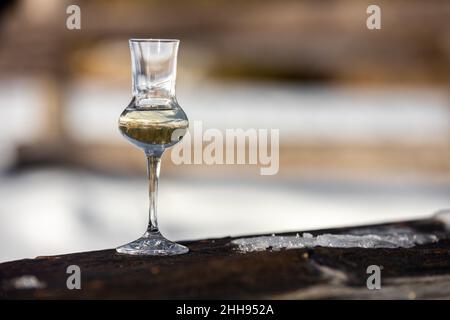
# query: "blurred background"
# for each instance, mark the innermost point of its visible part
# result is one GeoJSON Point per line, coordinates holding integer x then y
{"type": "Point", "coordinates": [364, 118]}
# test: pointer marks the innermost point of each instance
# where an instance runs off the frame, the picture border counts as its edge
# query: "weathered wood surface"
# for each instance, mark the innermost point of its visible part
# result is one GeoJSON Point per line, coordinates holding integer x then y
{"type": "Point", "coordinates": [215, 269]}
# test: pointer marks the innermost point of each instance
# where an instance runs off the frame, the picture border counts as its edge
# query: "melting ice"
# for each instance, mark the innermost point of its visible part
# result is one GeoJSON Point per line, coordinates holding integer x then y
{"type": "Point", "coordinates": [360, 238]}
{"type": "Point", "coordinates": [27, 282]}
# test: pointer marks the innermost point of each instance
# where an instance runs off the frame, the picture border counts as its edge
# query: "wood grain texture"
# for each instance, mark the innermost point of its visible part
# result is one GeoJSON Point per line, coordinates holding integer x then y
{"type": "Point", "coordinates": [215, 269]}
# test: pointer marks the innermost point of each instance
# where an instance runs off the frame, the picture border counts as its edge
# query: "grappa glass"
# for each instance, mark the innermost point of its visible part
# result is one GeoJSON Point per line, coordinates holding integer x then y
{"type": "Point", "coordinates": [153, 121]}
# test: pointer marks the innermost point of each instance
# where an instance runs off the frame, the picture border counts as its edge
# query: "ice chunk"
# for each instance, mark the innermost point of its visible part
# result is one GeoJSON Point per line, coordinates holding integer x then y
{"type": "Point", "coordinates": [27, 282]}
{"type": "Point", "coordinates": [358, 238]}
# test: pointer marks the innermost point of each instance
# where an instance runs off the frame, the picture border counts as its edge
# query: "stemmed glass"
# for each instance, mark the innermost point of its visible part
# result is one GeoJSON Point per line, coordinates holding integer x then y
{"type": "Point", "coordinates": [153, 121]}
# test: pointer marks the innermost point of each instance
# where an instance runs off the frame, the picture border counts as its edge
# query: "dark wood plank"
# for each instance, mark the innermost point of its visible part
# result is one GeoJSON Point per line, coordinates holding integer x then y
{"type": "Point", "coordinates": [215, 269]}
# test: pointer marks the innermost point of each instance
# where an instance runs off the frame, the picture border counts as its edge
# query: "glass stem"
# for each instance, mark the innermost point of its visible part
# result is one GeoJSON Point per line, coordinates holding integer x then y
{"type": "Point", "coordinates": [153, 166]}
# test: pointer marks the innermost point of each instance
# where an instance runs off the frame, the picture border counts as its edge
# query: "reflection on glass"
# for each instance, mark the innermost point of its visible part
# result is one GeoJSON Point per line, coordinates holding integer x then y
{"type": "Point", "coordinates": [153, 121]}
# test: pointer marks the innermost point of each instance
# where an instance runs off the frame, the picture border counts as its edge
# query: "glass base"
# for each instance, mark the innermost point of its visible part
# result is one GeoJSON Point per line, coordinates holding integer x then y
{"type": "Point", "coordinates": [152, 244]}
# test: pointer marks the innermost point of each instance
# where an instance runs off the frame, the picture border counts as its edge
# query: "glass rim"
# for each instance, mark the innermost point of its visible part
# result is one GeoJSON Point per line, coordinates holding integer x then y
{"type": "Point", "coordinates": [153, 40]}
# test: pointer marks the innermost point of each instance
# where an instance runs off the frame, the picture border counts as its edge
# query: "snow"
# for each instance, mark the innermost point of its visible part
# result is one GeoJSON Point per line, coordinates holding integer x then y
{"type": "Point", "coordinates": [359, 238]}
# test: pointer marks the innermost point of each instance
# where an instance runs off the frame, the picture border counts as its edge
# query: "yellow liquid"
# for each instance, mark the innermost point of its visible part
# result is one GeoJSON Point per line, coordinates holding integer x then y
{"type": "Point", "coordinates": [151, 127]}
